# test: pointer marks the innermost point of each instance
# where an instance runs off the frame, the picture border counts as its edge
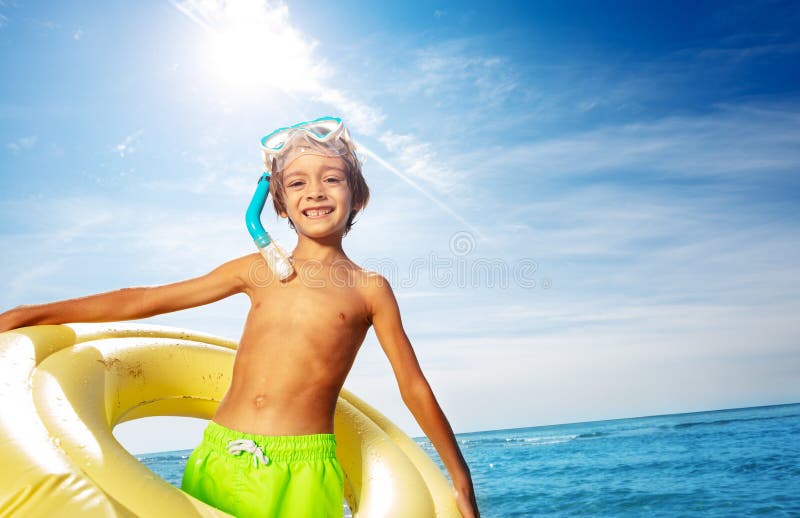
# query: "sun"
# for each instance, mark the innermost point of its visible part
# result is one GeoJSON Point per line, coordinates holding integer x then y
{"type": "Point", "coordinates": [251, 44]}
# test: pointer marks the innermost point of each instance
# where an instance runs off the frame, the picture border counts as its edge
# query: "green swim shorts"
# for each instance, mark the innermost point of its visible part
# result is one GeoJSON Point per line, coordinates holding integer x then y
{"type": "Point", "coordinates": [249, 475]}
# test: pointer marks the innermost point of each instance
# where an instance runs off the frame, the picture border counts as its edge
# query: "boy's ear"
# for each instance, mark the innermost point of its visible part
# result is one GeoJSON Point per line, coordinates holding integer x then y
{"type": "Point", "coordinates": [283, 214]}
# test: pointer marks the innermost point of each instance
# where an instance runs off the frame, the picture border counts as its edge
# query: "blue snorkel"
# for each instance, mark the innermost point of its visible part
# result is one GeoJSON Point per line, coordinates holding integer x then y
{"type": "Point", "coordinates": [272, 253]}
{"type": "Point", "coordinates": [253, 217]}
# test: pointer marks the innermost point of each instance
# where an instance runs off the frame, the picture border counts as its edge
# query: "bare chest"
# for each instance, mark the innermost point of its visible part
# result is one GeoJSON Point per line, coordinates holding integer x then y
{"type": "Point", "coordinates": [323, 302]}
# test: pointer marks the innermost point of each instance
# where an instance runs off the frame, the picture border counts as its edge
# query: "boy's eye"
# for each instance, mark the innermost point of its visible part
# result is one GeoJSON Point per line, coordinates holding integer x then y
{"type": "Point", "coordinates": [333, 180]}
{"type": "Point", "coordinates": [296, 184]}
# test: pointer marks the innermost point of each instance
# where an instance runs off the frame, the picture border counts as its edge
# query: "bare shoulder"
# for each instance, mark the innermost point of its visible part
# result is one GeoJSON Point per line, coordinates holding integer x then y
{"type": "Point", "coordinates": [371, 281]}
{"type": "Point", "coordinates": [246, 269]}
{"type": "Point", "coordinates": [241, 264]}
{"type": "Point", "coordinates": [376, 289]}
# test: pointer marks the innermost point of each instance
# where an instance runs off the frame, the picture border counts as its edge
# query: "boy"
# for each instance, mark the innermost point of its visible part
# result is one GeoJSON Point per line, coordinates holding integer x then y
{"type": "Point", "coordinates": [299, 342]}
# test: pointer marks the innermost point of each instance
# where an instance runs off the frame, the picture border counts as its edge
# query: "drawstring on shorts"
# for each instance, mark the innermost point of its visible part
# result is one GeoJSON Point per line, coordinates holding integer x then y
{"type": "Point", "coordinates": [248, 445]}
{"type": "Point", "coordinates": [269, 449]}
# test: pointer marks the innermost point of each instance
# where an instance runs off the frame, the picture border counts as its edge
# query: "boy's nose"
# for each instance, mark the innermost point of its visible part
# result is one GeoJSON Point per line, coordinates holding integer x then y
{"type": "Point", "coordinates": [315, 191]}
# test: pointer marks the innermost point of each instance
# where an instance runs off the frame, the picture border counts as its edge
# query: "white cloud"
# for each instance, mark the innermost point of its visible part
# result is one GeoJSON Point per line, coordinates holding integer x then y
{"type": "Point", "coordinates": [212, 171]}
{"type": "Point", "coordinates": [3, 18]}
{"type": "Point", "coordinates": [361, 116]}
{"type": "Point", "coordinates": [128, 145]}
{"type": "Point", "coordinates": [78, 34]}
{"type": "Point", "coordinates": [455, 70]}
{"type": "Point", "coordinates": [732, 141]}
{"type": "Point", "coordinates": [147, 242]}
{"type": "Point", "coordinates": [419, 159]}
{"type": "Point", "coordinates": [19, 285]}
{"type": "Point", "coordinates": [633, 361]}
{"type": "Point", "coordinates": [704, 247]}
{"type": "Point", "coordinates": [23, 144]}
{"type": "Point", "coordinates": [439, 201]}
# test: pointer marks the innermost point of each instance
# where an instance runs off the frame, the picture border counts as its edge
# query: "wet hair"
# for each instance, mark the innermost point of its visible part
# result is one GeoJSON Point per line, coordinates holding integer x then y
{"type": "Point", "coordinates": [355, 181]}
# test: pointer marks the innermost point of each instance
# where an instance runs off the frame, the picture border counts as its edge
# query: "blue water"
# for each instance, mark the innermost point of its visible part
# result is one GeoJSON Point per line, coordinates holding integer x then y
{"type": "Point", "coordinates": [720, 463]}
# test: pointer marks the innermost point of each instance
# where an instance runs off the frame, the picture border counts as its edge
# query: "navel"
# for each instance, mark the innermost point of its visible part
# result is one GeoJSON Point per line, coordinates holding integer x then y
{"type": "Point", "coordinates": [260, 401]}
{"type": "Point", "coordinates": [341, 316]}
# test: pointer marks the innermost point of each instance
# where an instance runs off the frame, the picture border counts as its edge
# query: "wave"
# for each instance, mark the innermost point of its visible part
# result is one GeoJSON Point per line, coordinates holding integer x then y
{"type": "Point", "coordinates": [150, 458]}
{"type": "Point", "coordinates": [722, 422]}
{"type": "Point", "coordinates": [539, 441]}
{"type": "Point", "coordinates": [592, 435]}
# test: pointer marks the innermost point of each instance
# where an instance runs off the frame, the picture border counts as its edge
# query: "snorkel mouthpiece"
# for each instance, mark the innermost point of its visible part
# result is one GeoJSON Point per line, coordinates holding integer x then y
{"type": "Point", "coordinates": [269, 249]}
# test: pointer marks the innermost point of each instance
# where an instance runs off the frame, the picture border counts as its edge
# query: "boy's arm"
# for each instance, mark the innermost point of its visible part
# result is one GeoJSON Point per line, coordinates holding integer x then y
{"type": "Point", "coordinates": [135, 303]}
{"type": "Point", "coordinates": [417, 393]}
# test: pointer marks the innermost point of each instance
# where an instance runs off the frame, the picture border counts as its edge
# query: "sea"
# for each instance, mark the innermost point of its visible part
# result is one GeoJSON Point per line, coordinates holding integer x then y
{"type": "Point", "coordinates": [737, 462]}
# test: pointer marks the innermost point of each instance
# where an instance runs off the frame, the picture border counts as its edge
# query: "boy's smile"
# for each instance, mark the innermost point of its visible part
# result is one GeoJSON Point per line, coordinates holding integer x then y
{"type": "Point", "coordinates": [317, 213]}
{"type": "Point", "coordinates": [318, 197]}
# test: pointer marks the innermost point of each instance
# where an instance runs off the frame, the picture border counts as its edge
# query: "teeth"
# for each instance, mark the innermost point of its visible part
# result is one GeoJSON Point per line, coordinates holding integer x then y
{"type": "Point", "coordinates": [318, 212]}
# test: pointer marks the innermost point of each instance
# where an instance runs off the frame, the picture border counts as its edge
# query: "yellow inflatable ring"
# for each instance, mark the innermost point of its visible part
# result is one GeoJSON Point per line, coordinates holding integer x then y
{"type": "Point", "coordinates": [64, 388]}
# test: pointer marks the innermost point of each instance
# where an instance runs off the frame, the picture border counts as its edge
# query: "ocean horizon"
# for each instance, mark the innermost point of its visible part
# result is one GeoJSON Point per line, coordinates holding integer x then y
{"type": "Point", "coordinates": [714, 463]}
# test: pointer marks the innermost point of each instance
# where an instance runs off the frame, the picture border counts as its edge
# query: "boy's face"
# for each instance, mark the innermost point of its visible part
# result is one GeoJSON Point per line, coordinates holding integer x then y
{"type": "Point", "coordinates": [318, 198]}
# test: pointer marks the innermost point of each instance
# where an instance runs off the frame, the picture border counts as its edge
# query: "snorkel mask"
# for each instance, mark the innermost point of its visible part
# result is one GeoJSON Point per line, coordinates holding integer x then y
{"type": "Point", "coordinates": [325, 136]}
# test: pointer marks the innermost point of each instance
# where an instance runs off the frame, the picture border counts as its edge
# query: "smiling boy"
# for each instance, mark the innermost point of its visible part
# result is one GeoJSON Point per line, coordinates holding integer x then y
{"type": "Point", "coordinates": [300, 339]}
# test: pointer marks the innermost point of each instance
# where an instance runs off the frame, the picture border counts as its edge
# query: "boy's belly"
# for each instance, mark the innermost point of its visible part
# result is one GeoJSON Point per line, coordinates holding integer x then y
{"type": "Point", "coordinates": [291, 395]}
{"type": "Point", "coordinates": [276, 419]}
{"type": "Point", "coordinates": [270, 414]}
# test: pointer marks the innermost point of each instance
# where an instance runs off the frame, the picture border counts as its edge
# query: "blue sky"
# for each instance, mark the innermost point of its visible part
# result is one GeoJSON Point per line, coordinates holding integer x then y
{"type": "Point", "coordinates": [587, 210]}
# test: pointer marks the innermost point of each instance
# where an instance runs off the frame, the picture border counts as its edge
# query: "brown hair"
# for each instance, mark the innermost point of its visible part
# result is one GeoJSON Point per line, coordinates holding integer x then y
{"type": "Point", "coordinates": [355, 181]}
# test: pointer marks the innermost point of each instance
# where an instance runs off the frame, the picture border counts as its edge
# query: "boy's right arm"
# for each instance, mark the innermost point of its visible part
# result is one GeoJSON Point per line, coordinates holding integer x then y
{"type": "Point", "coordinates": [135, 303]}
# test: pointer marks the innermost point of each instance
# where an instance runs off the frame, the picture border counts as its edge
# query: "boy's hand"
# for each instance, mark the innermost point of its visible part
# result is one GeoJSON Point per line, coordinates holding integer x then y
{"type": "Point", "coordinates": [467, 506]}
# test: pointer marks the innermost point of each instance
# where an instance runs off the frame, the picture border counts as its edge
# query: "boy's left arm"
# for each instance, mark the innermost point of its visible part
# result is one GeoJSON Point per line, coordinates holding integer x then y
{"type": "Point", "coordinates": [417, 393]}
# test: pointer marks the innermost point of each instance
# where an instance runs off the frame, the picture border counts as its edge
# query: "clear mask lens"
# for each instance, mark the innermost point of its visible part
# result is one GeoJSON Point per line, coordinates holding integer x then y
{"type": "Point", "coordinates": [325, 137]}
{"type": "Point", "coordinates": [321, 129]}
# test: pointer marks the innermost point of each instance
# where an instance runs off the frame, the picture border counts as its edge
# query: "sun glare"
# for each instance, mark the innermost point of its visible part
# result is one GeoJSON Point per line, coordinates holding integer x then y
{"type": "Point", "coordinates": [251, 45]}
